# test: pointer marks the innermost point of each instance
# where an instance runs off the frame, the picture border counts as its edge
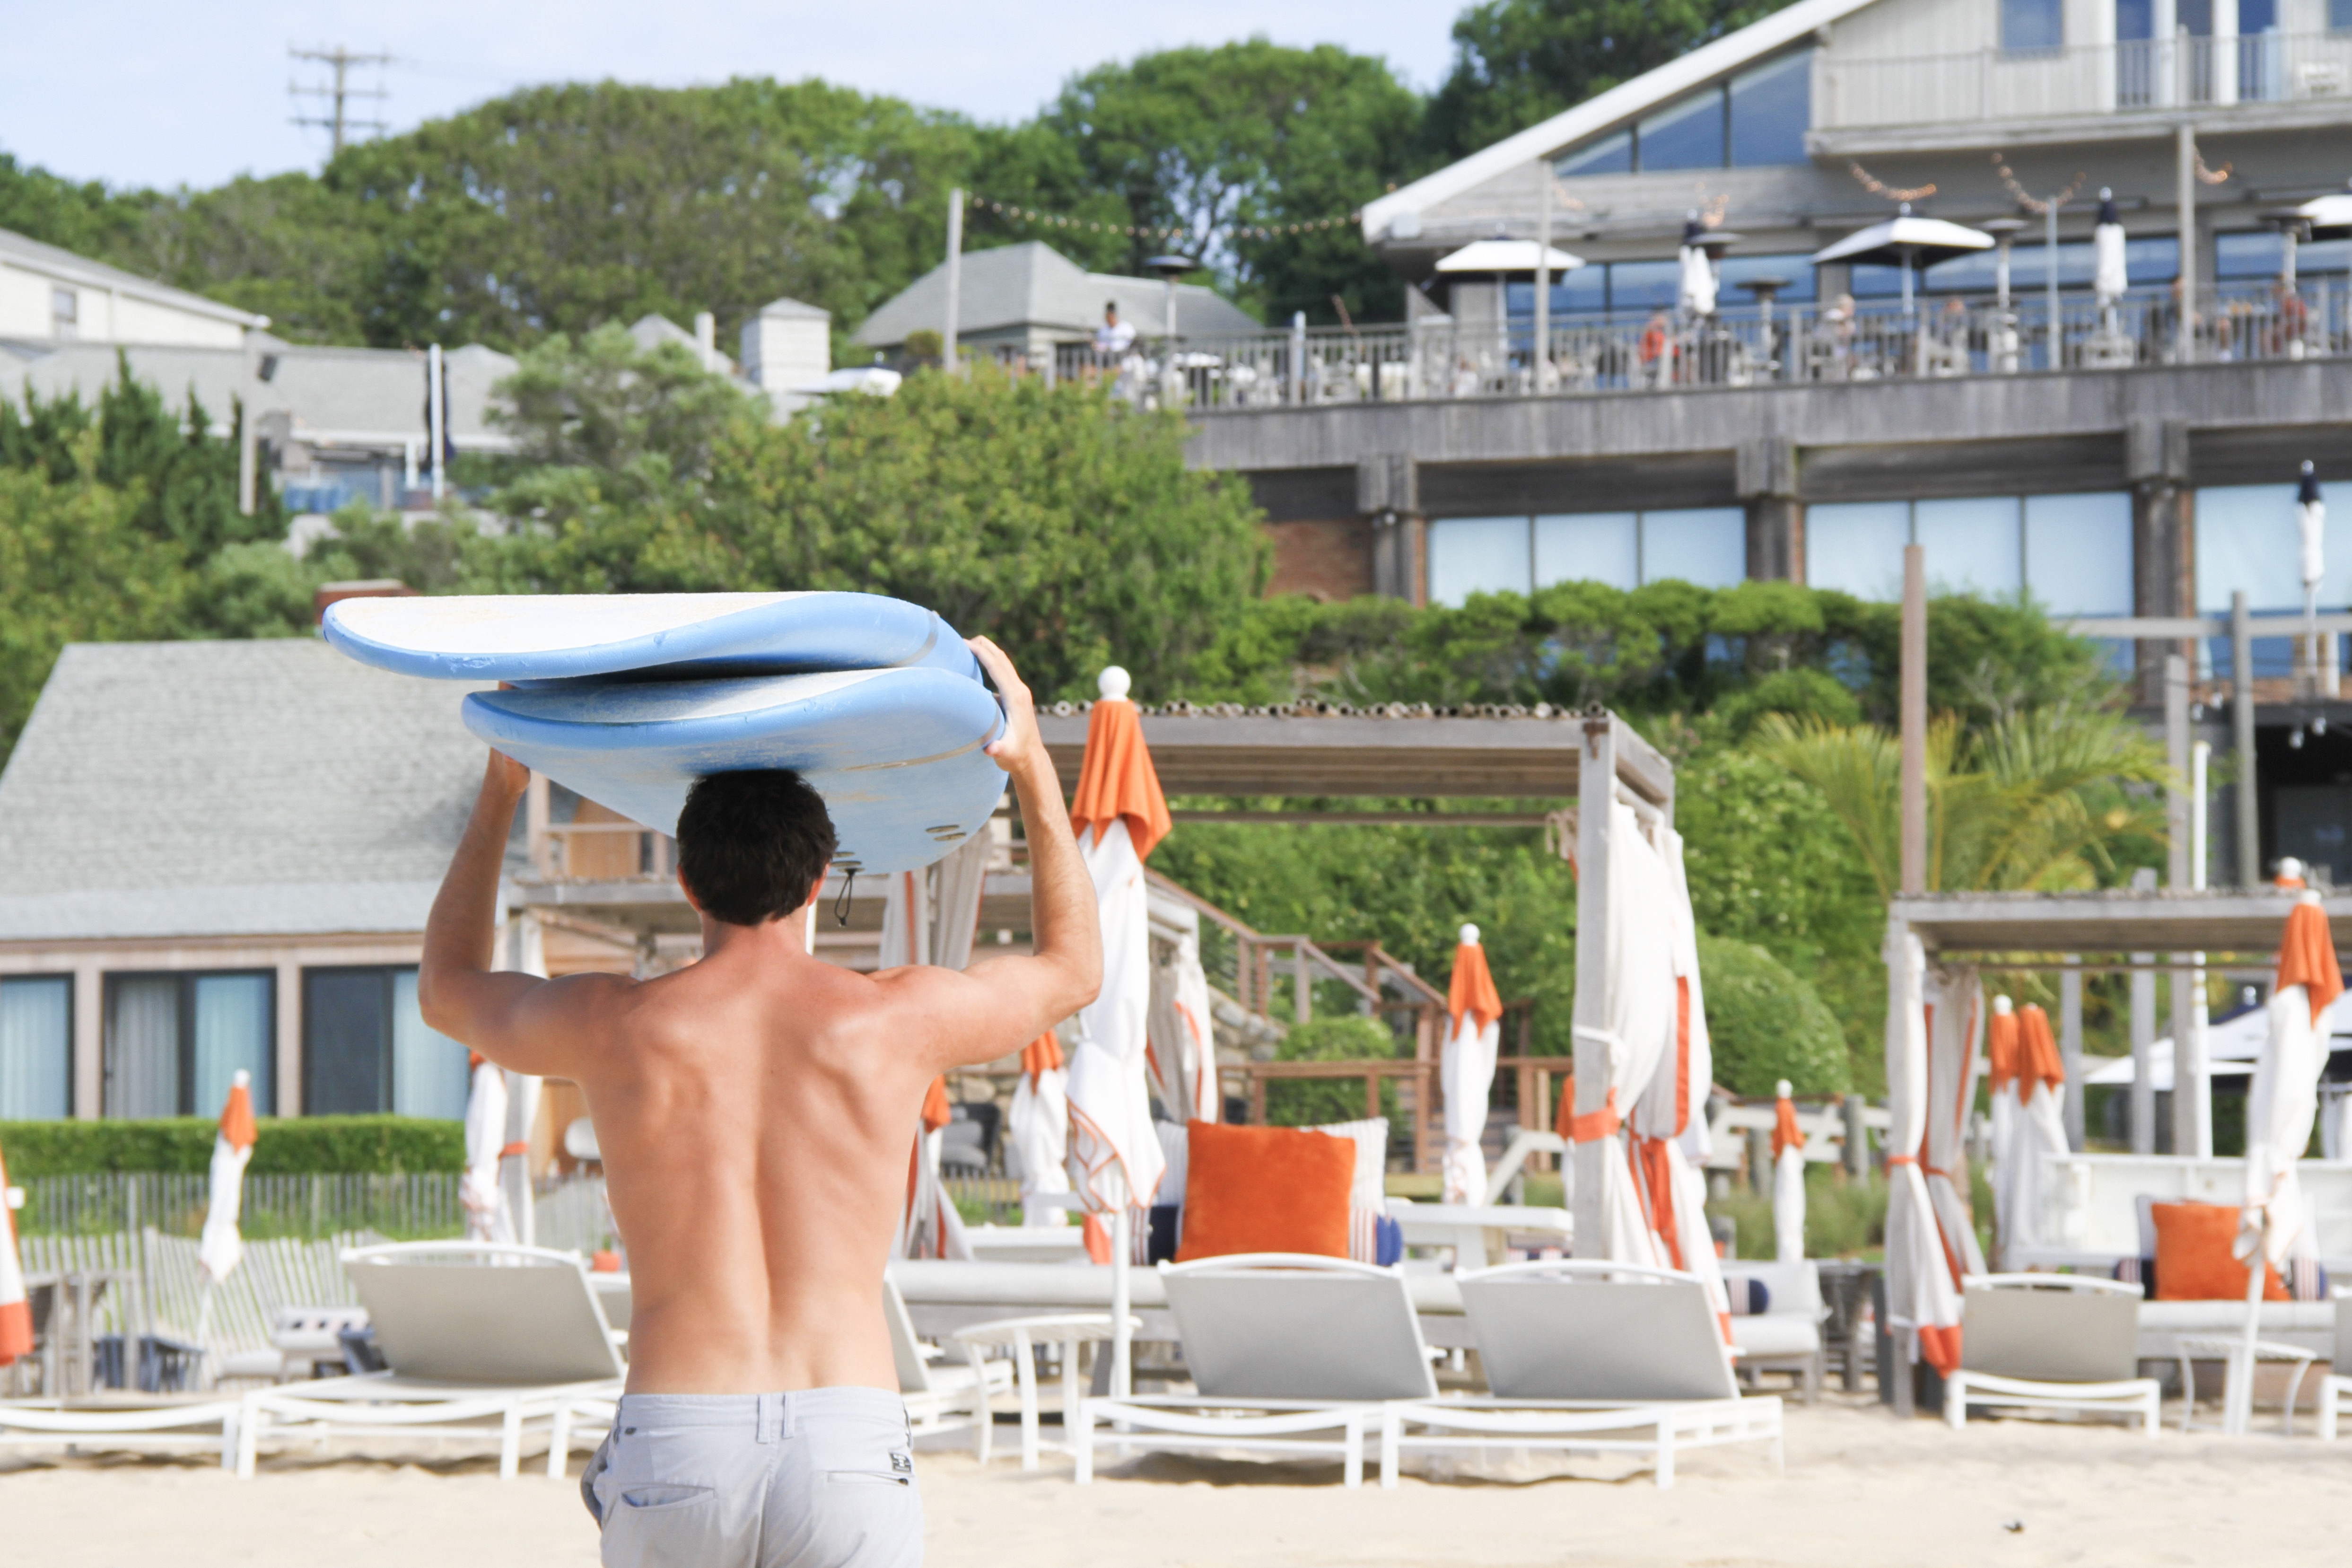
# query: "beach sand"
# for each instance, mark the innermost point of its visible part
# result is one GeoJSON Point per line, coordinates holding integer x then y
{"type": "Point", "coordinates": [1861, 1489]}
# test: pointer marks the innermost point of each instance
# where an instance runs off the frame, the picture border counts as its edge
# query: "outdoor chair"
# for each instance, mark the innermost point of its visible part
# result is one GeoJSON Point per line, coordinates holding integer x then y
{"type": "Point", "coordinates": [2335, 1389]}
{"type": "Point", "coordinates": [1589, 1356]}
{"type": "Point", "coordinates": [145, 1426]}
{"type": "Point", "coordinates": [942, 1398]}
{"type": "Point", "coordinates": [1786, 1335]}
{"type": "Point", "coordinates": [2051, 1342]}
{"type": "Point", "coordinates": [1292, 1353]}
{"type": "Point", "coordinates": [479, 1340]}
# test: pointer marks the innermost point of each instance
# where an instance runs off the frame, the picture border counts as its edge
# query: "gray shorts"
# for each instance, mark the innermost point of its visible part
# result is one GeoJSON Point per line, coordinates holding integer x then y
{"type": "Point", "coordinates": [824, 1477]}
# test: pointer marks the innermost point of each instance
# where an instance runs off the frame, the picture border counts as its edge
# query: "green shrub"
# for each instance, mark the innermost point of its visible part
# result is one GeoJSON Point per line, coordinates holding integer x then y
{"type": "Point", "coordinates": [1767, 1023]}
{"type": "Point", "coordinates": [1314, 1102]}
{"type": "Point", "coordinates": [379, 1145]}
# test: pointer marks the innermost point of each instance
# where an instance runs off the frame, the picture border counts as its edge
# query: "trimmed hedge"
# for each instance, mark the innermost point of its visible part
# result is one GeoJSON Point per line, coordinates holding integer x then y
{"type": "Point", "coordinates": [1767, 1023]}
{"type": "Point", "coordinates": [372, 1145]}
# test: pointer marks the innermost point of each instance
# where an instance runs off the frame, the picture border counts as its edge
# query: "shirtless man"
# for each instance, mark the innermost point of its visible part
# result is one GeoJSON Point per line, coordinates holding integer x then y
{"type": "Point", "coordinates": [756, 1111]}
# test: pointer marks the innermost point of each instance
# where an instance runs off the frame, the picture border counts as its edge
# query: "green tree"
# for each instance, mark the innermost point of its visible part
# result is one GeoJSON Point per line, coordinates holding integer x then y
{"type": "Point", "coordinates": [1519, 61]}
{"type": "Point", "coordinates": [1205, 140]}
{"type": "Point", "coordinates": [1766, 1024]}
{"type": "Point", "coordinates": [555, 208]}
{"type": "Point", "coordinates": [1318, 1102]}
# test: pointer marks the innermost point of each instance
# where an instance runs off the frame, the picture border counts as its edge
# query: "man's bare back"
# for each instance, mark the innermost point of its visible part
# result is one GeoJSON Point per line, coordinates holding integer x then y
{"type": "Point", "coordinates": [757, 1109]}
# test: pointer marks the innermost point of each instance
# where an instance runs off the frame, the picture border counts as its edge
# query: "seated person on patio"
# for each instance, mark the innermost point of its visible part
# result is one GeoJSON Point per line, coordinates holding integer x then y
{"type": "Point", "coordinates": [755, 1111]}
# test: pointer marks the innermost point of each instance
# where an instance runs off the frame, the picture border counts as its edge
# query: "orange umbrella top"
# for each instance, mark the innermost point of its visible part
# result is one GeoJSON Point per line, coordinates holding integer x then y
{"type": "Point", "coordinates": [1786, 1134]}
{"type": "Point", "coordinates": [2307, 955]}
{"type": "Point", "coordinates": [1041, 1056]}
{"type": "Point", "coordinates": [937, 1112]}
{"type": "Point", "coordinates": [236, 1116]}
{"type": "Point", "coordinates": [1116, 779]}
{"type": "Point", "coordinates": [1472, 989]}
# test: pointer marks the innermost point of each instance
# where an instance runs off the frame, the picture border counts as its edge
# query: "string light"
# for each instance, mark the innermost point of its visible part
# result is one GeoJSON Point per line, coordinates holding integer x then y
{"type": "Point", "coordinates": [1149, 231]}
{"type": "Point", "coordinates": [2040, 207]}
{"type": "Point", "coordinates": [1892, 193]}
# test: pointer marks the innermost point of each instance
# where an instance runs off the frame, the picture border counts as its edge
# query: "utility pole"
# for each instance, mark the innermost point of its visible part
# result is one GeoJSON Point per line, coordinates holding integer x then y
{"type": "Point", "coordinates": [337, 121]}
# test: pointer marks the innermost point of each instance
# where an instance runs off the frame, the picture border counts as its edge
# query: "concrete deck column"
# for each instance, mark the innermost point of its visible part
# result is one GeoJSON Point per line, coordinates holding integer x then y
{"type": "Point", "coordinates": [2163, 541]}
{"type": "Point", "coordinates": [1387, 494]}
{"type": "Point", "coordinates": [1767, 481]}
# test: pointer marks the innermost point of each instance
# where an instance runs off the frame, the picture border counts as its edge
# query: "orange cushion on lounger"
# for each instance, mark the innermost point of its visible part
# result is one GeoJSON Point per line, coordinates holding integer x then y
{"type": "Point", "coordinates": [2193, 1262]}
{"type": "Point", "coordinates": [1265, 1189]}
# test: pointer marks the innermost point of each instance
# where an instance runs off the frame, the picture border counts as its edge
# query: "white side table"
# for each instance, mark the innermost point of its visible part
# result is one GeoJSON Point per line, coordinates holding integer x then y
{"type": "Point", "coordinates": [1021, 1336]}
{"type": "Point", "coordinates": [2230, 1350]}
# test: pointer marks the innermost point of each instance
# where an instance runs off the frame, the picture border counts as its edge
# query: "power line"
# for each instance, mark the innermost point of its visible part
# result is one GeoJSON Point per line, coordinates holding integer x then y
{"type": "Point", "coordinates": [336, 120]}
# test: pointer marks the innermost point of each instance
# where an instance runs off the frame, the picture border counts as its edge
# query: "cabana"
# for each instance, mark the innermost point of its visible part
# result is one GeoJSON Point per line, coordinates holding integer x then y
{"type": "Point", "coordinates": [2092, 1220]}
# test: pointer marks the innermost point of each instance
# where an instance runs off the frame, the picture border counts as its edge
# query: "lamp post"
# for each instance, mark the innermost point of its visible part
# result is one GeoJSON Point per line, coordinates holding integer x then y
{"type": "Point", "coordinates": [1167, 269]}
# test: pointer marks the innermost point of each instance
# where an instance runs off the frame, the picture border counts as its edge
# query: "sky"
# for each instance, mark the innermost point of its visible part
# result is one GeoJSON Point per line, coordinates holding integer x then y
{"type": "Point", "coordinates": [168, 92]}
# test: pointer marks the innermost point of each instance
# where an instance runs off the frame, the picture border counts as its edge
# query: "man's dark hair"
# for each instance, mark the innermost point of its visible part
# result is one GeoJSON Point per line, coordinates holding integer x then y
{"type": "Point", "coordinates": [753, 845]}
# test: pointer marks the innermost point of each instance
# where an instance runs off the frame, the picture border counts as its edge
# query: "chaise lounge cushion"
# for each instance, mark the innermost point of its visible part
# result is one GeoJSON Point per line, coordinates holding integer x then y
{"type": "Point", "coordinates": [1266, 1189]}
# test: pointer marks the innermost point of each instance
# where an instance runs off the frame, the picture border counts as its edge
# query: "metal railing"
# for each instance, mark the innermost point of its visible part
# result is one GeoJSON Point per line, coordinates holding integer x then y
{"type": "Point", "coordinates": [413, 1205]}
{"type": "Point", "coordinates": [2091, 78]}
{"type": "Point", "coordinates": [1746, 345]}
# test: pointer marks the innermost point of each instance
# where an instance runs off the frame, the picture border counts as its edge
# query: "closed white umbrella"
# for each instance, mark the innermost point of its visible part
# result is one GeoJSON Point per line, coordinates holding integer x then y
{"type": "Point", "coordinates": [2028, 1085]}
{"type": "Point", "coordinates": [1467, 1069]}
{"type": "Point", "coordinates": [2109, 276]}
{"type": "Point", "coordinates": [478, 1191]}
{"type": "Point", "coordinates": [1183, 1037]}
{"type": "Point", "coordinates": [1040, 1129]}
{"type": "Point", "coordinates": [1116, 1159]}
{"type": "Point", "coordinates": [518, 1204]}
{"type": "Point", "coordinates": [2275, 1222]}
{"type": "Point", "coordinates": [1923, 1298]}
{"type": "Point", "coordinates": [2311, 534]}
{"type": "Point", "coordinates": [16, 1305]}
{"type": "Point", "coordinates": [220, 1247]}
{"type": "Point", "coordinates": [1622, 1034]}
{"type": "Point", "coordinates": [1697, 271]}
{"type": "Point", "coordinates": [1788, 1178]}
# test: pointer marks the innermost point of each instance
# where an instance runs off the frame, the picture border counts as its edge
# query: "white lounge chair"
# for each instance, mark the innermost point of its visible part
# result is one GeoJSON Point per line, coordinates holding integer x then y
{"type": "Point", "coordinates": [479, 1340]}
{"type": "Point", "coordinates": [945, 1398]}
{"type": "Point", "coordinates": [1281, 1346]}
{"type": "Point", "coordinates": [2051, 1342]}
{"type": "Point", "coordinates": [1786, 1335]}
{"type": "Point", "coordinates": [1591, 1357]}
{"type": "Point", "coordinates": [132, 1428]}
{"type": "Point", "coordinates": [2335, 1389]}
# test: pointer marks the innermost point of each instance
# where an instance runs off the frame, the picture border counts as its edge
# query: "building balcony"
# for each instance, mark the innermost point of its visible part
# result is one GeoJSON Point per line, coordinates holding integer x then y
{"type": "Point", "coordinates": [1636, 353]}
{"type": "Point", "coordinates": [2094, 91]}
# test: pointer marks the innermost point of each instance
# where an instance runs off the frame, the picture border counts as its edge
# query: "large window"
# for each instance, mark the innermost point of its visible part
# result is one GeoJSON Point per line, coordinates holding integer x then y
{"type": "Point", "coordinates": [2246, 539]}
{"type": "Point", "coordinates": [1759, 116]}
{"type": "Point", "coordinates": [174, 1041]}
{"type": "Point", "coordinates": [366, 1048]}
{"type": "Point", "coordinates": [2260, 253]}
{"type": "Point", "coordinates": [1599, 287]}
{"type": "Point", "coordinates": [2071, 553]}
{"type": "Point", "coordinates": [2032, 24]}
{"type": "Point", "coordinates": [1704, 545]}
{"type": "Point", "coordinates": [36, 1048]}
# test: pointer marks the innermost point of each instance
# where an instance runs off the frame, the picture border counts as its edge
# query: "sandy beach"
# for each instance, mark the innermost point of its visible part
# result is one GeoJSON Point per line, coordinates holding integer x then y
{"type": "Point", "coordinates": [1859, 1488]}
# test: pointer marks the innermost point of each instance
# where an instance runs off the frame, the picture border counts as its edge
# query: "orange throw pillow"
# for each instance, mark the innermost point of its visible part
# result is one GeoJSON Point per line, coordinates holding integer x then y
{"type": "Point", "coordinates": [2192, 1256]}
{"type": "Point", "coordinates": [1265, 1189]}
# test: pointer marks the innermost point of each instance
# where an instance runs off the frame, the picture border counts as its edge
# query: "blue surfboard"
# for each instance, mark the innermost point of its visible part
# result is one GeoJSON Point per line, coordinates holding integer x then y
{"type": "Point", "coordinates": [629, 697]}
{"type": "Point", "coordinates": [897, 753]}
{"type": "Point", "coordinates": [643, 637]}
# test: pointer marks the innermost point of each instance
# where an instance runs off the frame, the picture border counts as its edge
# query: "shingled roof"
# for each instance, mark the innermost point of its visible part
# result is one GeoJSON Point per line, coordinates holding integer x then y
{"type": "Point", "coordinates": [230, 788]}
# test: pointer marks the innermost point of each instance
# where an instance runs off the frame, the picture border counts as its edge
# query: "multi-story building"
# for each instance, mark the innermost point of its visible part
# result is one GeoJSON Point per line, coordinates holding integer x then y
{"type": "Point", "coordinates": [2109, 454]}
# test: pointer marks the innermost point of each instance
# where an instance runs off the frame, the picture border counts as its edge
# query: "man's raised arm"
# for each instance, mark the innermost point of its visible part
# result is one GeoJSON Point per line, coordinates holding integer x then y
{"type": "Point", "coordinates": [514, 1019]}
{"type": "Point", "coordinates": [999, 1004]}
